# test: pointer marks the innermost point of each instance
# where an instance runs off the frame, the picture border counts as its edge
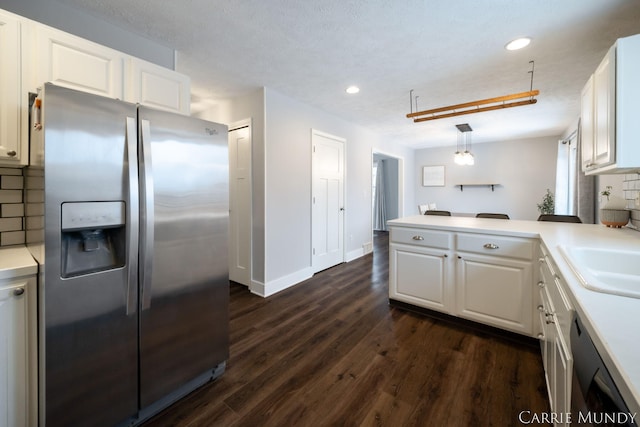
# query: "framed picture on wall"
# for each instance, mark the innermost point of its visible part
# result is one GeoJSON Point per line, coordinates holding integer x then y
{"type": "Point", "coordinates": [433, 176]}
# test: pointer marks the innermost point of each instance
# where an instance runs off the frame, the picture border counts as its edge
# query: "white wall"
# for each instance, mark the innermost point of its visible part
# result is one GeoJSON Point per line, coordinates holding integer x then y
{"type": "Point", "coordinates": [523, 168]}
{"type": "Point", "coordinates": [282, 182]}
{"type": "Point", "coordinates": [249, 106]}
{"type": "Point", "coordinates": [288, 184]}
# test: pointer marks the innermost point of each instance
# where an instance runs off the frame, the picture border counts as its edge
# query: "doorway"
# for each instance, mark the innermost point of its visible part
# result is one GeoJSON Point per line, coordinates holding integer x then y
{"type": "Point", "coordinates": [240, 193]}
{"type": "Point", "coordinates": [327, 200]}
{"type": "Point", "coordinates": [386, 189]}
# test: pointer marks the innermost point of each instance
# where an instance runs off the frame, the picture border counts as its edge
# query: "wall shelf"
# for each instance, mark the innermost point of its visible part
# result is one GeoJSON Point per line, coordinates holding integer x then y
{"type": "Point", "coordinates": [476, 185]}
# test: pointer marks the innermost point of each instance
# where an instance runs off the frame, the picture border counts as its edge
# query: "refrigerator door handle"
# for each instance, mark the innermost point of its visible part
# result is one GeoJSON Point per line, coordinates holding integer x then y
{"type": "Point", "coordinates": [147, 228]}
{"type": "Point", "coordinates": [133, 215]}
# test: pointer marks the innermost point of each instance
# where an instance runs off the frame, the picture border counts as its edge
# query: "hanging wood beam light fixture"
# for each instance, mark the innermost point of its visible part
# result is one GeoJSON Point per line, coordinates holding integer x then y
{"type": "Point", "coordinates": [479, 106]}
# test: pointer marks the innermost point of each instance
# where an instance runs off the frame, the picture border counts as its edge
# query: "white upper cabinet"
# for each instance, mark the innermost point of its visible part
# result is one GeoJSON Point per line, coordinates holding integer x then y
{"type": "Point", "coordinates": [76, 63]}
{"type": "Point", "coordinates": [12, 151]}
{"type": "Point", "coordinates": [158, 87]}
{"type": "Point", "coordinates": [610, 102]}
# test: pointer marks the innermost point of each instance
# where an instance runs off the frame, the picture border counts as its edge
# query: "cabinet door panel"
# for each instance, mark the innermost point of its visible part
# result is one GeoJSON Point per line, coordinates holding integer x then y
{"type": "Point", "coordinates": [587, 125]}
{"type": "Point", "coordinates": [418, 276]}
{"type": "Point", "coordinates": [158, 87]}
{"type": "Point", "coordinates": [10, 148]}
{"type": "Point", "coordinates": [604, 110]}
{"type": "Point", "coordinates": [495, 291]}
{"type": "Point", "coordinates": [13, 353]}
{"type": "Point", "coordinates": [563, 369]}
{"type": "Point", "coordinates": [79, 64]}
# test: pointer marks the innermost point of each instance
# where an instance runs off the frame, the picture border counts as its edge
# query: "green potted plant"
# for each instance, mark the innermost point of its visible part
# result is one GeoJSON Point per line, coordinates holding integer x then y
{"type": "Point", "coordinates": [547, 207]}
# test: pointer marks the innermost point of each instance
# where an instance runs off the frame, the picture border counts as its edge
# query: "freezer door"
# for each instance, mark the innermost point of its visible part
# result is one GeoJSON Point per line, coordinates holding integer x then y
{"type": "Point", "coordinates": [184, 230]}
{"type": "Point", "coordinates": [88, 282]}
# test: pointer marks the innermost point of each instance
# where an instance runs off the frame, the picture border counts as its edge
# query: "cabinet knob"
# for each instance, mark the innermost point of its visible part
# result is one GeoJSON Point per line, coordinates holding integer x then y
{"type": "Point", "coordinates": [11, 153]}
{"type": "Point", "coordinates": [18, 291]}
{"type": "Point", "coordinates": [418, 238]}
{"type": "Point", "coordinates": [540, 336]}
{"type": "Point", "coordinates": [446, 256]}
{"type": "Point", "coordinates": [541, 284]}
{"type": "Point", "coordinates": [491, 246]}
{"type": "Point", "coordinates": [540, 308]}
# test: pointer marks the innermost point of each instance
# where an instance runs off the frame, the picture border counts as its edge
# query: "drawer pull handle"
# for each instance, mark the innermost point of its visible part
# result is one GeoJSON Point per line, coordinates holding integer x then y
{"type": "Point", "coordinates": [418, 238]}
{"type": "Point", "coordinates": [491, 246]}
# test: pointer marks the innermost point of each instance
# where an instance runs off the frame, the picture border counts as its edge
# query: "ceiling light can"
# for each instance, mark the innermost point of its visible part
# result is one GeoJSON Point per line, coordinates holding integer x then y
{"type": "Point", "coordinates": [518, 43]}
{"type": "Point", "coordinates": [353, 89]}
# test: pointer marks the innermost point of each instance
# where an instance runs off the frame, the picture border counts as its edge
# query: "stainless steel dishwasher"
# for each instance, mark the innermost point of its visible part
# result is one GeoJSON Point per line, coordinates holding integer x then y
{"type": "Point", "coordinates": [595, 399]}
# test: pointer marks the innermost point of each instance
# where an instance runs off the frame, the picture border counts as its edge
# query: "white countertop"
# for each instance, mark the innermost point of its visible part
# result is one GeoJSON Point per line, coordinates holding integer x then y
{"type": "Point", "coordinates": [16, 261]}
{"type": "Point", "coordinates": [613, 322]}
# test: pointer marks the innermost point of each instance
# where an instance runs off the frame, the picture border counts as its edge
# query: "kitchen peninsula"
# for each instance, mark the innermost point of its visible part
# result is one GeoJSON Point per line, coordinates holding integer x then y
{"type": "Point", "coordinates": [491, 271]}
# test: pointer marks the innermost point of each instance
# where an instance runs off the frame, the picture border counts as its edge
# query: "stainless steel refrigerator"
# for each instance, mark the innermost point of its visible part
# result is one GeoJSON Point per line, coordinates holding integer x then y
{"type": "Point", "coordinates": [127, 216]}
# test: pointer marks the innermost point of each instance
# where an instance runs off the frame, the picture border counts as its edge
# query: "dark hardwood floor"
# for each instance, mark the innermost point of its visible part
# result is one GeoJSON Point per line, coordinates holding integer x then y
{"type": "Point", "coordinates": [331, 351]}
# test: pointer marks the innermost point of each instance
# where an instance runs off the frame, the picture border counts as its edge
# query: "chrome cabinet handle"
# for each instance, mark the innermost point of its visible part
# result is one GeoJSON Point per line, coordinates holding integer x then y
{"type": "Point", "coordinates": [11, 153]}
{"type": "Point", "coordinates": [491, 246]}
{"type": "Point", "coordinates": [18, 291]}
{"type": "Point", "coordinates": [418, 238]}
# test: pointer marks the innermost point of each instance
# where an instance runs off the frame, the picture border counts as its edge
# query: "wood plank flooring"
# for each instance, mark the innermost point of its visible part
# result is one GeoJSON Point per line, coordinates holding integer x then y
{"type": "Point", "coordinates": [331, 351]}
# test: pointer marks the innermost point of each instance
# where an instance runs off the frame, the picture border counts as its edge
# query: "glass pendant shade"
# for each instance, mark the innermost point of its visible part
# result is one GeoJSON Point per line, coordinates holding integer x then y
{"type": "Point", "coordinates": [465, 157]}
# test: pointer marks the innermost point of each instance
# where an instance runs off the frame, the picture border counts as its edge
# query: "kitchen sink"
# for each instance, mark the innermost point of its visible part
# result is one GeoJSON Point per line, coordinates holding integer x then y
{"type": "Point", "coordinates": [610, 271]}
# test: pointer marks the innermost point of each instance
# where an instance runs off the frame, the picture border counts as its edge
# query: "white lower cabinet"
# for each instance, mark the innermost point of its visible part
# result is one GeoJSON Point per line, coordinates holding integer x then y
{"type": "Point", "coordinates": [494, 280]}
{"type": "Point", "coordinates": [555, 314]}
{"type": "Point", "coordinates": [420, 268]}
{"type": "Point", "coordinates": [15, 346]}
{"type": "Point", "coordinates": [420, 276]}
{"type": "Point", "coordinates": [481, 277]}
{"type": "Point", "coordinates": [495, 291]}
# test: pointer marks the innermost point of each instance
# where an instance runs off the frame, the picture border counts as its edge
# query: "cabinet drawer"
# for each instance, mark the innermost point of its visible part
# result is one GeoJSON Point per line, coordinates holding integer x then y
{"type": "Point", "coordinates": [513, 247]}
{"type": "Point", "coordinates": [421, 237]}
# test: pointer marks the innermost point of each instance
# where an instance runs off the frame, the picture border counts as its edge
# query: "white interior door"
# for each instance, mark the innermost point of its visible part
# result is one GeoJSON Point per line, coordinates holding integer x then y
{"type": "Point", "coordinates": [327, 202]}
{"type": "Point", "coordinates": [240, 202]}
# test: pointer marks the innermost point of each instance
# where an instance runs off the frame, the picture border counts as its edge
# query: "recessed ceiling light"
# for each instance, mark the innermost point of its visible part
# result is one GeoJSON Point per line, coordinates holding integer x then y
{"type": "Point", "coordinates": [353, 89]}
{"type": "Point", "coordinates": [518, 43]}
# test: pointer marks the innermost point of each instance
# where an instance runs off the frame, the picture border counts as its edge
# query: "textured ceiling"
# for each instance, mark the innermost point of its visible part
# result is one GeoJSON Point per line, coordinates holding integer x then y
{"type": "Point", "coordinates": [447, 51]}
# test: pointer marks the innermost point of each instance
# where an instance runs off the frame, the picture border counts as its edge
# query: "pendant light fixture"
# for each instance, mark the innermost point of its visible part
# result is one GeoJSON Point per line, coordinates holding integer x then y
{"type": "Point", "coordinates": [464, 142]}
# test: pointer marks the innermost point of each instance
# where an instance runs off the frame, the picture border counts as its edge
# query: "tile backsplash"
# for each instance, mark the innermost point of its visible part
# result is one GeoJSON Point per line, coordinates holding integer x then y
{"type": "Point", "coordinates": [631, 189]}
{"type": "Point", "coordinates": [12, 228]}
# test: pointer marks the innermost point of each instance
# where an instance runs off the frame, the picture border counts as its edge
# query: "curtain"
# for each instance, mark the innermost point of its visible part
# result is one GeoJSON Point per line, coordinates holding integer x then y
{"type": "Point", "coordinates": [379, 203]}
{"type": "Point", "coordinates": [585, 196]}
{"type": "Point", "coordinates": [575, 191]}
